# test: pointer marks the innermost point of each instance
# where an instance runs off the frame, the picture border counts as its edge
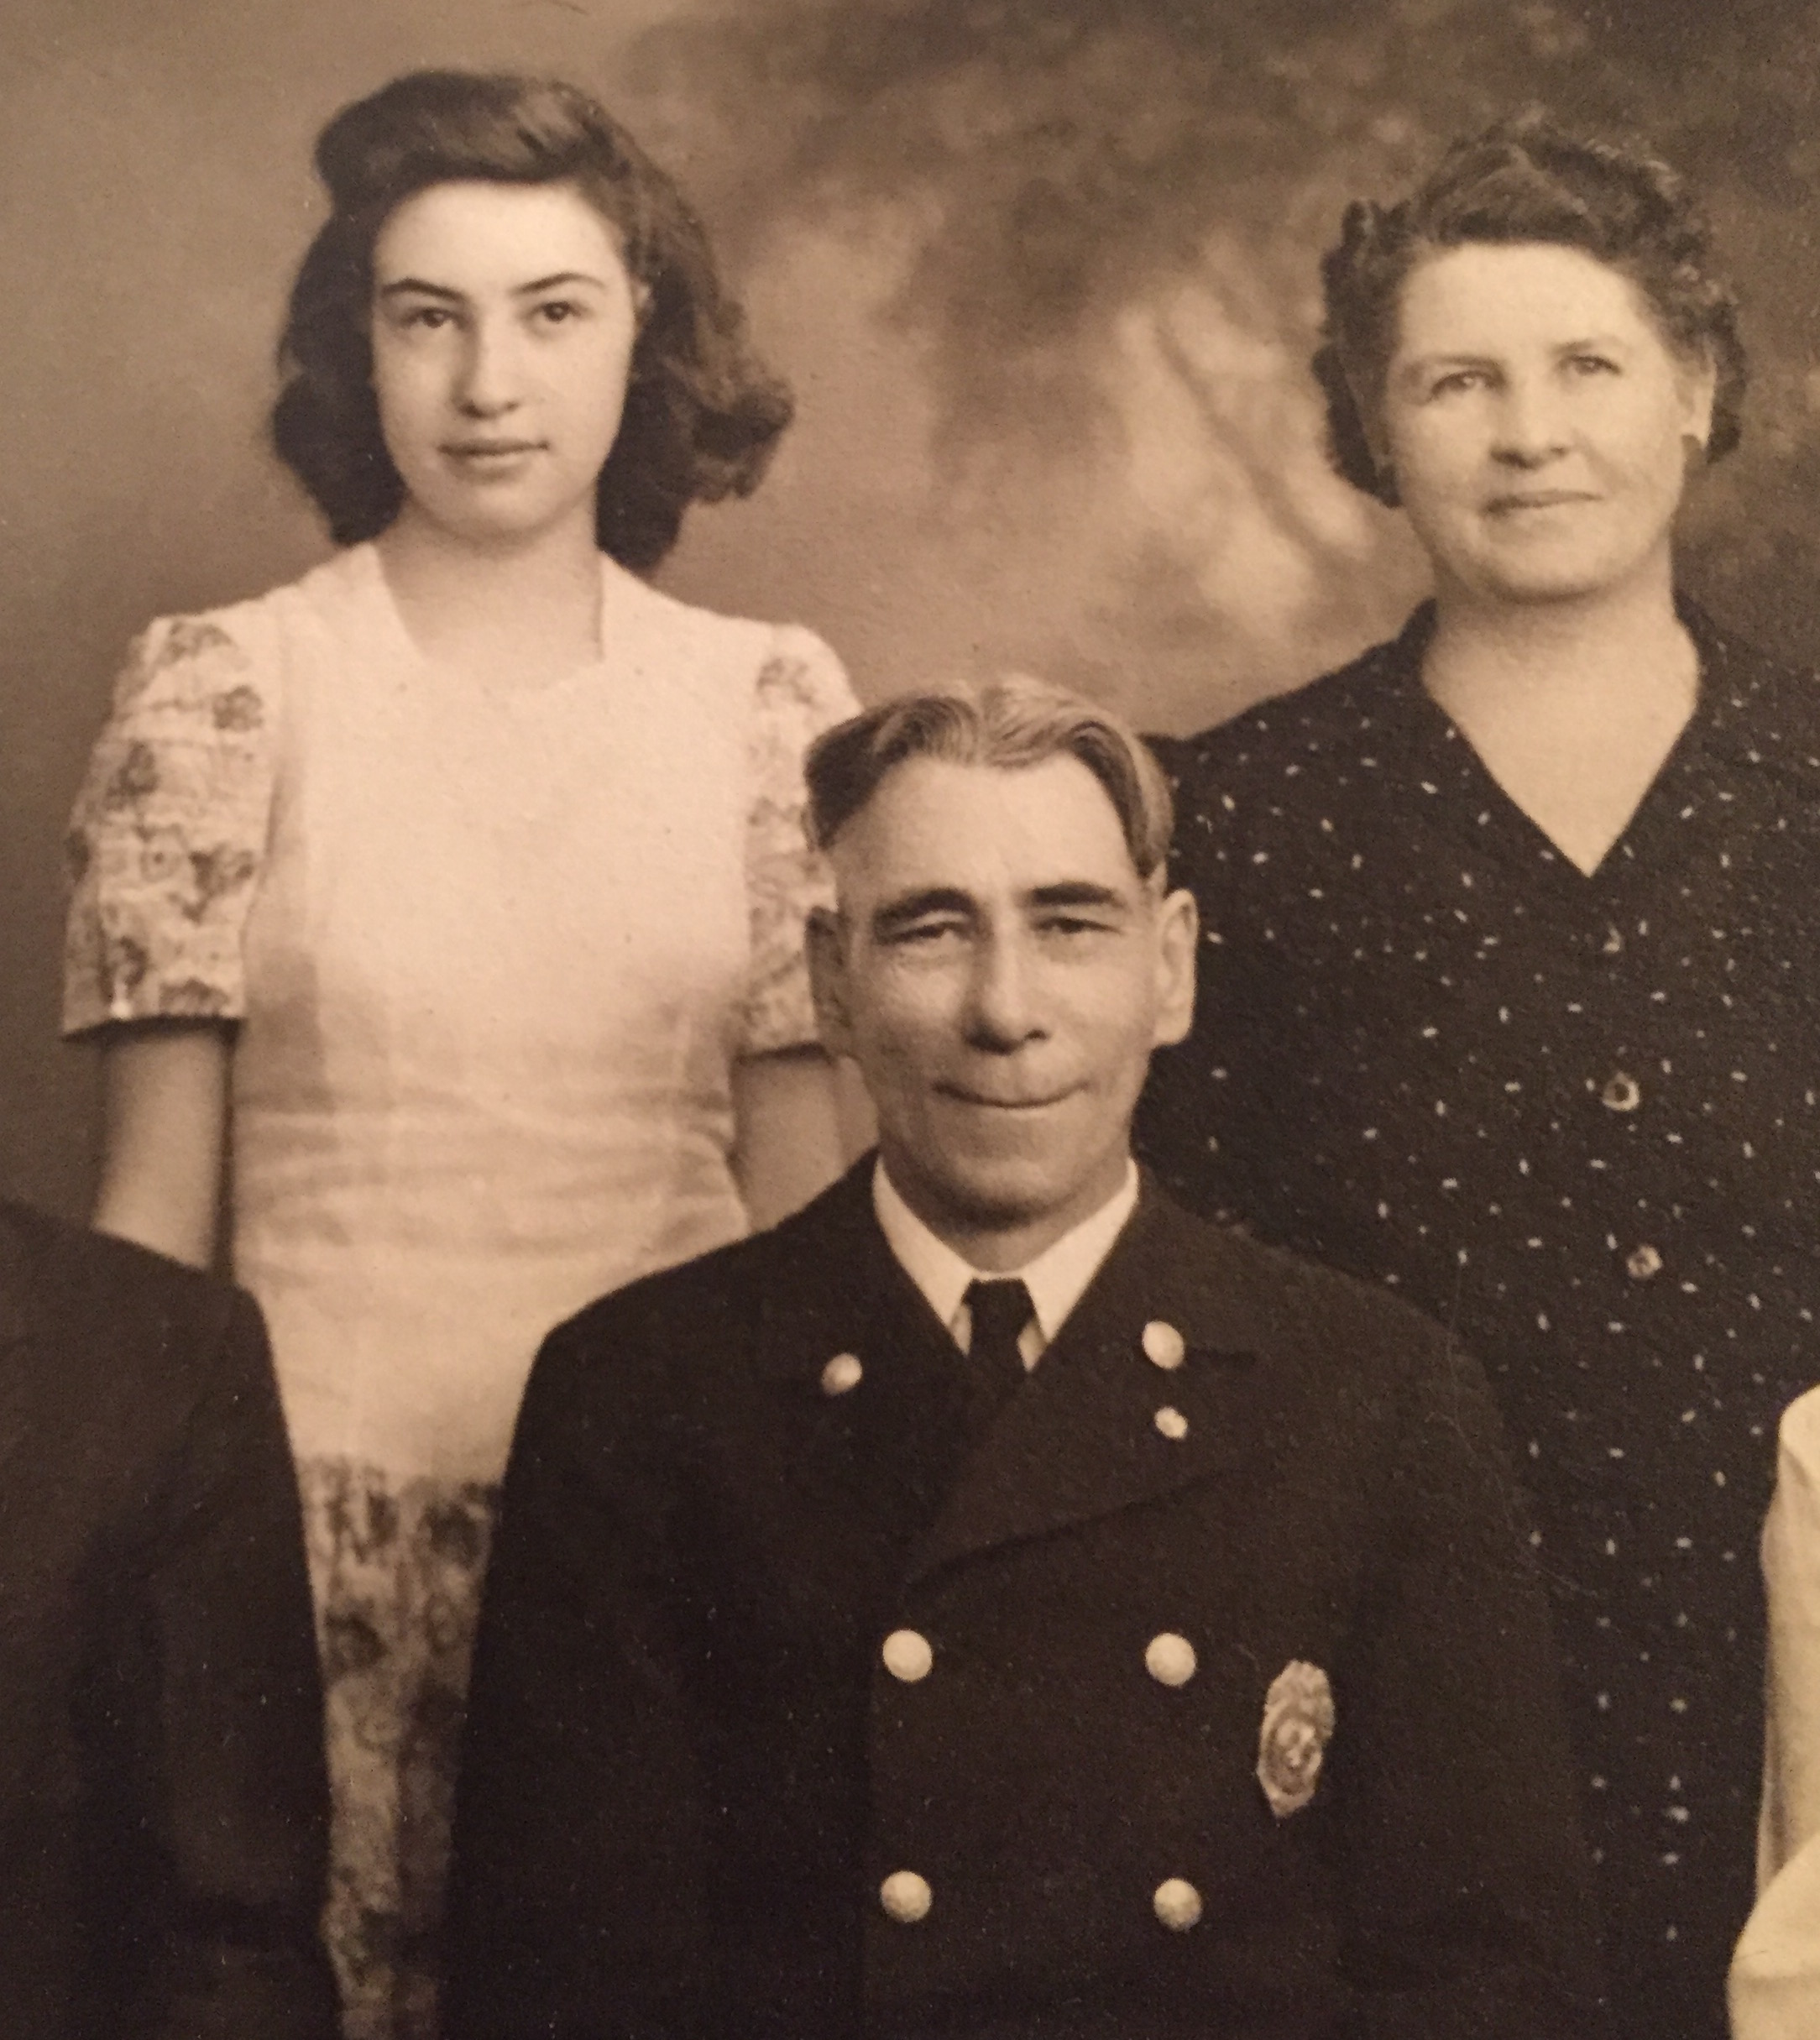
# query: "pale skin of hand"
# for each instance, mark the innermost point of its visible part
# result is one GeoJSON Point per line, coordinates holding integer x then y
{"type": "Point", "coordinates": [165, 1091]}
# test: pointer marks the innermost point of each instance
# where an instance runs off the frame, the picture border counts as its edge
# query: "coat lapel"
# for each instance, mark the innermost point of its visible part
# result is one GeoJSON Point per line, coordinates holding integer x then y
{"type": "Point", "coordinates": [1099, 1425]}
{"type": "Point", "coordinates": [880, 1444]}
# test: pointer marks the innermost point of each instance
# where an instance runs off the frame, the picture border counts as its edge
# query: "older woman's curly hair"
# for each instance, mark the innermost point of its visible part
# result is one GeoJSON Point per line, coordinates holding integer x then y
{"type": "Point", "coordinates": [701, 413]}
{"type": "Point", "coordinates": [1523, 180]}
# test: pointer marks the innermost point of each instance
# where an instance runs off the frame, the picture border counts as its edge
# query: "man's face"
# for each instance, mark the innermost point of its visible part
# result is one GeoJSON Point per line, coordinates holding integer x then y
{"type": "Point", "coordinates": [1001, 974]}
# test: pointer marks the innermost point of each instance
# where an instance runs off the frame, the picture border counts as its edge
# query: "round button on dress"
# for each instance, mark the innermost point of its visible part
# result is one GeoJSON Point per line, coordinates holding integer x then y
{"type": "Point", "coordinates": [1170, 1659]}
{"type": "Point", "coordinates": [841, 1373]}
{"type": "Point", "coordinates": [1164, 1345]}
{"type": "Point", "coordinates": [908, 1656]}
{"type": "Point", "coordinates": [1177, 1904]}
{"type": "Point", "coordinates": [906, 1896]}
{"type": "Point", "coordinates": [1622, 1093]}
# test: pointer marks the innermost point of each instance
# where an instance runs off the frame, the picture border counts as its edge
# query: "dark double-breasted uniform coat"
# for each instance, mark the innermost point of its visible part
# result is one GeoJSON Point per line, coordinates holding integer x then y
{"type": "Point", "coordinates": [805, 1706]}
{"type": "Point", "coordinates": [164, 1808]}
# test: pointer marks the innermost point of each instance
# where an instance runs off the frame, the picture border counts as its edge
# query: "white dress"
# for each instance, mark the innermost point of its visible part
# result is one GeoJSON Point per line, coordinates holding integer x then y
{"type": "Point", "coordinates": [493, 952]}
{"type": "Point", "coordinates": [1775, 1985]}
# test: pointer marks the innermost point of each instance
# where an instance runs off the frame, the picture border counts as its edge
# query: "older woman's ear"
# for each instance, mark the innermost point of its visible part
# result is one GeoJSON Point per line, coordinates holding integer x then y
{"type": "Point", "coordinates": [1699, 379]}
{"type": "Point", "coordinates": [1352, 439]}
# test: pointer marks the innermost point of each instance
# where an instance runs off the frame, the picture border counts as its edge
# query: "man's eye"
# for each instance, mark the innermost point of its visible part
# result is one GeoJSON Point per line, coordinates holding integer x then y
{"type": "Point", "coordinates": [1592, 364]}
{"type": "Point", "coordinates": [1456, 382]}
{"type": "Point", "coordinates": [923, 934]}
{"type": "Point", "coordinates": [429, 317]}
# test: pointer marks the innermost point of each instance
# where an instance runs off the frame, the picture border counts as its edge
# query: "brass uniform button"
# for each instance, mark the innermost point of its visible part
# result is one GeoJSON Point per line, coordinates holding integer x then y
{"type": "Point", "coordinates": [1177, 1904]}
{"type": "Point", "coordinates": [1170, 1659]}
{"type": "Point", "coordinates": [908, 1656]}
{"type": "Point", "coordinates": [906, 1896]}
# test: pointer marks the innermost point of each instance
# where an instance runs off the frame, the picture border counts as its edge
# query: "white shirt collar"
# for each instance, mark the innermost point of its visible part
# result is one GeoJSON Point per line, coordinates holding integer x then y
{"type": "Point", "coordinates": [1056, 1279]}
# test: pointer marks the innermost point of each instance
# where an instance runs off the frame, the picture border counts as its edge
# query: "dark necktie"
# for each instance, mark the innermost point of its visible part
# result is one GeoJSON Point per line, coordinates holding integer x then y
{"type": "Point", "coordinates": [999, 1310]}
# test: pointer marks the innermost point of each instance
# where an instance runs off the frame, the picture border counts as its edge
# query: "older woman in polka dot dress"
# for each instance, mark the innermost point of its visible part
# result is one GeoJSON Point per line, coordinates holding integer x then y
{"type": "Point", "coordinates": [1514, 939]}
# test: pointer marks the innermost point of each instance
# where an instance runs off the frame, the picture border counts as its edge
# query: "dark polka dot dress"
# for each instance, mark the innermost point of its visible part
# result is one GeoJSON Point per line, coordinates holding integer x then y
{"type": "Point", "coordinates": [1576, 1119]}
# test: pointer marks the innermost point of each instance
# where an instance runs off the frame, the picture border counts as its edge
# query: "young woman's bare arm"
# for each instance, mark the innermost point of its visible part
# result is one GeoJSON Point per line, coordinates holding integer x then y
{"type": "Point", "coordinates": [800, 1120]}
{"type": "Point", "coordinates": [165, 1106]}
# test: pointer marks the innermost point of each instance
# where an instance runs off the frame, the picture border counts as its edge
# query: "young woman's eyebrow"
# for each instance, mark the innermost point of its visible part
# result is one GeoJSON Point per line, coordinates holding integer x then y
{"type": "Point", "coordinates": [415, 286]}
{"type": "Point", "coordinates": [561, 276]}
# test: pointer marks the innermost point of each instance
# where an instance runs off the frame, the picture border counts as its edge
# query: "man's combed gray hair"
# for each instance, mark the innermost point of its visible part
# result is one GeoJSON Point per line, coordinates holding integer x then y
{"type": "Point", "coordinates": [1008, 725]}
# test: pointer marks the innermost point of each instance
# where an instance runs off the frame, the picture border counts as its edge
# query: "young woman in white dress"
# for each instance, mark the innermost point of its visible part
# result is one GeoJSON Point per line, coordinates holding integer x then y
{"type": "Point", "coordinates": [454, 894]}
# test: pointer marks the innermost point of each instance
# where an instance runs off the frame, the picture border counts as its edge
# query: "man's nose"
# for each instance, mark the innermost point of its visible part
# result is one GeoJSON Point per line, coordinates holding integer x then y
{"type": "Point", "coordinates": [1005, 1002]}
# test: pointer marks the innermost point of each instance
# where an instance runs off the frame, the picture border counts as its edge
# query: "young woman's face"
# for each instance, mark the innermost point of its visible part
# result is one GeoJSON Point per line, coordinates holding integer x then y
{"type": "Point", "coordinates": [1537, 422]}
{"type": "Point", "coordinates": [504, 321]}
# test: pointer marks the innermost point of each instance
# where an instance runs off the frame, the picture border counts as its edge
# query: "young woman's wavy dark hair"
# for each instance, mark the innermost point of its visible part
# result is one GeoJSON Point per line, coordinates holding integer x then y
{"type": "Point", "coordinates": [701, 413]}
{"type": "Point", "coordinates": [1523, 180]}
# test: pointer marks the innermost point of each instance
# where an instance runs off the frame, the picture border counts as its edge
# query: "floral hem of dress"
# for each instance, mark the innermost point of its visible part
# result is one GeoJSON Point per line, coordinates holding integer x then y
{"type": "Point", "coordinates": [396, 1566]}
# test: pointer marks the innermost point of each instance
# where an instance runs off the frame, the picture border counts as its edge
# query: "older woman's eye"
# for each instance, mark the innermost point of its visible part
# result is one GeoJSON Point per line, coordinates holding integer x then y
{"type": "Point", "coordinates": [1592, 364]}
{"type": "Point", "coordinates": [1456, 382]}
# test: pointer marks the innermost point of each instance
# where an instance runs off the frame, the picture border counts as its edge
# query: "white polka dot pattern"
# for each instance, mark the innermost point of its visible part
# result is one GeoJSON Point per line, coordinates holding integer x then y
{"type": "Point", "coordinates": [1576, 1119]}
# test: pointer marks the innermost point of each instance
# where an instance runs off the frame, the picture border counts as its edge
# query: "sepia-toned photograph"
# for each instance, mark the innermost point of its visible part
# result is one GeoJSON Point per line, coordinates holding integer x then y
{"type": "Point", "coordinates": [910, 1028]}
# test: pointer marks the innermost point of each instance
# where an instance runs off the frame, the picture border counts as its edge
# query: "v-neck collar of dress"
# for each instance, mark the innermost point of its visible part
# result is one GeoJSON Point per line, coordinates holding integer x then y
{"type": "Point", "coordinates": [1500, 828]}
{"type": "Point", "coordinates": [410, 658]}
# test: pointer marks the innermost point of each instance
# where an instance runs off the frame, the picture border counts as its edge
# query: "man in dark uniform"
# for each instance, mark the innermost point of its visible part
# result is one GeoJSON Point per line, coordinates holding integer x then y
{"type": "Point", "coordinates": [163, 1804]}
{"type": "Point", "coordinates": [993, 1604]}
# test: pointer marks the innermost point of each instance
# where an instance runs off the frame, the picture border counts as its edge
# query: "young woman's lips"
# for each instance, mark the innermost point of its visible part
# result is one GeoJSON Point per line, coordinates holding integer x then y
{"type": "Point", "coordinates": [491, 449]}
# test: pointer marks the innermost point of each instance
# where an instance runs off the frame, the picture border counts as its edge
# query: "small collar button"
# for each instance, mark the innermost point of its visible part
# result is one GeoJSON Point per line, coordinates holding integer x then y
{"type": "Point", "coordinates": [841, 1373]}
{"type": "Point", "coordinates": [1164, 1345]}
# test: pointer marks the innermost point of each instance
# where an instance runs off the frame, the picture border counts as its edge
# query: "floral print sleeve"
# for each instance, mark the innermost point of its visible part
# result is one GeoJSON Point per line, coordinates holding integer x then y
{"type": "Point", "coordinates": [802, 690]}
{"type": "Point", "coordinates": [169, 832]}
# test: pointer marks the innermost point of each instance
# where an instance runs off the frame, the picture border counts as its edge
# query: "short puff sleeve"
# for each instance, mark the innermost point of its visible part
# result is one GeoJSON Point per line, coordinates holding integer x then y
{"type": "Point", "coordinates": [802, 690]}
{"type": "Point", "coordinates": [168, 837]}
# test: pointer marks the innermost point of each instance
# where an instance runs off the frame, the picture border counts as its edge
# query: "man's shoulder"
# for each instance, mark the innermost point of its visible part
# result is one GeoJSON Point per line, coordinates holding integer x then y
{"type": "Point", "coordinates": [97, 1294]}
{"type": "Point", "coordinates": [115, 1361]}
{"type": "Point", "coordinates": [704, 1306]}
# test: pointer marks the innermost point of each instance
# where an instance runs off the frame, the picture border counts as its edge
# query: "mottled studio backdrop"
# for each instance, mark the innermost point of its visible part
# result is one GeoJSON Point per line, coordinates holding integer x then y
{"type": "Point", "coordinates": [1041, 271]}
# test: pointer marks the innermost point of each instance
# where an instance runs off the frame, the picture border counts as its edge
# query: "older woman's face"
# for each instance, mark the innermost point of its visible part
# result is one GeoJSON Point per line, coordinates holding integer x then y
{"type": "Point", "coordinates": [504, 322]}
{"type": "Point", "coordinates": [1537, 422]}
